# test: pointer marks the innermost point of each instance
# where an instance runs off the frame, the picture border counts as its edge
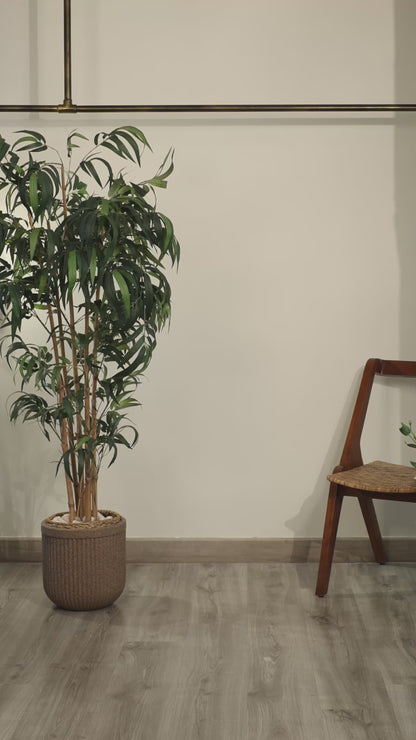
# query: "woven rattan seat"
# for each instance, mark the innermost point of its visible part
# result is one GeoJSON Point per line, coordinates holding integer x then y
{"type": "Point", "coordinates": [378, 476]}
{"type": "Point", "coordinates": [375, 480]}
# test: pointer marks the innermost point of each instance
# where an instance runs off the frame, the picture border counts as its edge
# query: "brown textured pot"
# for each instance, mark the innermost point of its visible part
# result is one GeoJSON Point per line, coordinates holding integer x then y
{"type": "Point", "coordinates": [84, 565]}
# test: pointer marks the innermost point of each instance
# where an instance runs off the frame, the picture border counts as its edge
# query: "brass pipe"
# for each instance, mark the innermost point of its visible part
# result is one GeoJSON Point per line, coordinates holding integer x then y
{"type": "Point", "coordinates": [69, 107]}
{"type": "Point", "coordinates": [29, 108]}
{"type": "Point", "coordinates": [67, 104]}
{"type": "Point", "coordinates": [256, 108]}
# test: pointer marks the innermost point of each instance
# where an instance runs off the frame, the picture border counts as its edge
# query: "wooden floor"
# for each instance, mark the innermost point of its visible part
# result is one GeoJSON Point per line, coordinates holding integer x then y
{"type": "Point", "coordinates": [213, 652]}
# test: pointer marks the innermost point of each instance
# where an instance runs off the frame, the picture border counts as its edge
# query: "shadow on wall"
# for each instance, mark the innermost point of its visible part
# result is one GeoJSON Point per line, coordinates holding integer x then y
{"type": "Point", "coordinates": [397, 519]}
{"type": "Point", "coordinates": [311, 515]}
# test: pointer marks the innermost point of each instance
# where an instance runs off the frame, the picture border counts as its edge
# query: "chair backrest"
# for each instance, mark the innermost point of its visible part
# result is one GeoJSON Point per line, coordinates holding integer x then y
{"type": "Point", "coordinates": [351, 455]}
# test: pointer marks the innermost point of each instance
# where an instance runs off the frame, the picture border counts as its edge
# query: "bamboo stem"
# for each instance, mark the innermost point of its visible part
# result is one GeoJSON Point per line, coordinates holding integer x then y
{"type": "Point", "coordinates": [87, 419]}
{"type": "Point", "coordinates": [70, 487]}
{"type": "Point", "coordinates": [71, 435]}
{"type": "Point", "coordinates": [94, 407]}
{"type": "Point", "coordinates": [69, 484]}
{"type": "Point", "coordinates": [72, 332]}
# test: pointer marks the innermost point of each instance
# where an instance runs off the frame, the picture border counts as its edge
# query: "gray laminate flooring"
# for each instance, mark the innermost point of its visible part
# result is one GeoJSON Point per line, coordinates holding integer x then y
{"type": "Point", "coordinates": [213, 652]}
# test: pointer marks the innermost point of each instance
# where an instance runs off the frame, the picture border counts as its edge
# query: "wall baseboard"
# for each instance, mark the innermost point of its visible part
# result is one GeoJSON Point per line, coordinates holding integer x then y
{"type": "Point", "coordinates": [165, 550]}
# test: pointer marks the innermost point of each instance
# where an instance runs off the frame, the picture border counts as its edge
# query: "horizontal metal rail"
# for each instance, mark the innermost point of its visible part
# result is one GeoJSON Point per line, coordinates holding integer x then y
{"type": "Point", "coordinates": [69, 107]}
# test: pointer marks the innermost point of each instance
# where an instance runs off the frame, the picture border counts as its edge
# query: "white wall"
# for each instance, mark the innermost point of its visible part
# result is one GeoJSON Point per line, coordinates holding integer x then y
{"type": "Point", "coordinates": [292, 259]}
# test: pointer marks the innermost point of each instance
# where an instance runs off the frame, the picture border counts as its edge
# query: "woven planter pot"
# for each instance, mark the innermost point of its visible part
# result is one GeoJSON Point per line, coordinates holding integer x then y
{"type": "Point", "coordinates": [84, 565]}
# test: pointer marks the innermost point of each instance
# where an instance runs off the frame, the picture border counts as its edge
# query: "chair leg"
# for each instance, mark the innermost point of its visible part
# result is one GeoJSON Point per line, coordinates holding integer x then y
{"type": "Point", "coordinates": [370, 518]}
{"type": "Point", "coordinates": [333, 511]}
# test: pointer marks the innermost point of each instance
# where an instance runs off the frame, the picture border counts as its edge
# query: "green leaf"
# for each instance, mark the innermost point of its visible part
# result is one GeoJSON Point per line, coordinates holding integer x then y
{"type": "Point", "coordinates": [98, 136]}
{"type": "Point", "coordinates": [113, 447]}
{"type": "Point", "coordinates": [125, 293]}
{"type": "Point", "coordinates": [81, 462]}
{"type": "Point", "coordinates": [72, 270]}
{"type": "Point", "coordinates": [70, 144]}
{"type": "Point", "coordinates": [128, 403]}
{"type": "Point", "coordinates": [39, 138]}
{"type": "Point", "coordinates": [137, 133]}
{"type": "Point", "coordinates": [42, 283]}
{"type": "Point", "coordinates": [168, 232]}
{"type": "Point", "coordinates": [107, 166]}
{"type": "Point", "coordinates": [55, 378]}
{"type": "Point", "coordinates": [84, 440]}
{"type": "Point", "coordinates": [16, 309]}
{"type": "Point", "coordinates": [165, 173]}
{"type": "Point", "coordinates": [405, 429]}
{"type": "Point", "coordinates": [4, 148]}
{"type": "Point", "coordinates": [88, 167]}
{"type": "Point", "coordinates": [37, 142]}
{"type": "Point", "coordinates": [46, 190]}
{"type": "Point", "coordinates": [129, 138]}
{"type": "Point", "coordinates": [33, 240]}
{"type": "Point", "coordinates": [93, 264]}
{"type": "Point", "coordinates": [157, 182]}
{"type": "Point", "coordinates": [51, 242]}
{"type": "Point", "coordinates": [122, 148]}
{"type": "Point", "coordinates": [111, 147]}
{"type": "Point", "coordinates": [33, 192]}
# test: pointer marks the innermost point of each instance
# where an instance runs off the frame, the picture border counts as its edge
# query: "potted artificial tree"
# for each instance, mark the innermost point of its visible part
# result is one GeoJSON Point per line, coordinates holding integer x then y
{"type": "Point", "coordinates": [82, 252]}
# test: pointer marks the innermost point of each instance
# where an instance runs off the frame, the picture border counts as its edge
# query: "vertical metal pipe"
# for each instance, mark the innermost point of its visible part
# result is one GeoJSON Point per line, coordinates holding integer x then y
{"type": "Point", "coordinates": [67, 54]}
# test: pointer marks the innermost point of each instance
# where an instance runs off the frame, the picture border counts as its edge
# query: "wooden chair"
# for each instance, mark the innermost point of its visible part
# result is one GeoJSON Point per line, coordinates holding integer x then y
{"type": "Point", "coordinates": [375, 480]}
